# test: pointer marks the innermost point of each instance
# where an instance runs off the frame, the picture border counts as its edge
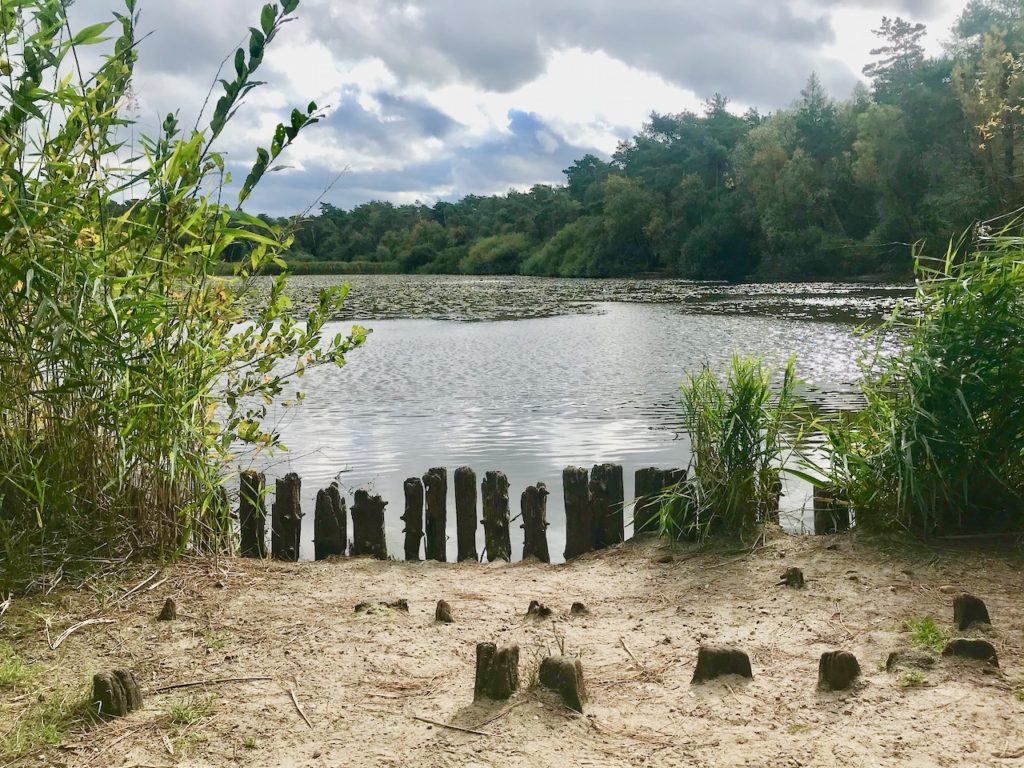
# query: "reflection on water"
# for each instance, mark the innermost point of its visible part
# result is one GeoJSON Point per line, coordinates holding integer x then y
{"type": "Point", "coordinates": [589, 374]}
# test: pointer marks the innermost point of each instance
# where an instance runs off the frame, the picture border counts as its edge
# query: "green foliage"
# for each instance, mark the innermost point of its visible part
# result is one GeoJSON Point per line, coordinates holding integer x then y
{"type": "Point", "coordinates": [913, 678]}
{"type": "Point", "coordinates": [13, 670]}
{"type": "Point", "coordinates": [739, 447]}
{"type": "Point", "coordinates": [926, 633]}
{"type": "Point", "coordinates": [938, 447]}
{"type": "Point", "coordinates": [495, 255]}
{"type": "Point", "coordinates": [189, 711]}
{"type": "Point", "coordinates": [126, 385]}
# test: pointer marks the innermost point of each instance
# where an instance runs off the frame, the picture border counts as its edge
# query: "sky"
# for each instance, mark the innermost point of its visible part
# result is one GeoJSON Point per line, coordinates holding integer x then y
{"type": "Point", "coordinates": [436, 99]}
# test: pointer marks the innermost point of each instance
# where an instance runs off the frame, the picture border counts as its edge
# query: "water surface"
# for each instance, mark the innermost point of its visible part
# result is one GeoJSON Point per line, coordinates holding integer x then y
{"type": "Point", "coordinates": [528, 376]}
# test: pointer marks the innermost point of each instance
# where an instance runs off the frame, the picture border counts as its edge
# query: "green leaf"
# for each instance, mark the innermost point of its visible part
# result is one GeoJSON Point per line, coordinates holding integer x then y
{"type": "Point", "coordinates": [240, 62]}
{"type": "Point", "coordinates": [267, 17]}
{"type": "Point", "coordinates": [91, 34]}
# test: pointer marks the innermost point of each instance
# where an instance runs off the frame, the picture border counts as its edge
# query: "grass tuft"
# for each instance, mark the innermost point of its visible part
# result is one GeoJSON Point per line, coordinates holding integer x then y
{"type": "Point", "coordinates": [926, 633]}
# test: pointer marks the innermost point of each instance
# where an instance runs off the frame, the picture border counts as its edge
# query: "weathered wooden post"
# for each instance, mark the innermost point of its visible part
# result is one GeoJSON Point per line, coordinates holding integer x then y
{"type": "Point", "coordinates": [465, 512]}
{"type": "Point", "coordinates": [579, 532]}
{"type": "Point", "coordinates": [368, 526]}
{"type": "Point", "coordinates": [494, 491]}
{"type": "Point", "coordinates": [534, 504]}
{"type": "Point", "coordinates": [413, 517]}
{"type": "Point", "coordinates": [650, 484]}
{"type": "Point", "coordinates": [831, 512]}
{"type": "Point", "coordinates": [436, 484]}
{"type": "Point", "coordinates": [329, 524]}
{"type": "Point", "coordinates": [286, 518]}
{"type": "Point", "coordinates": [497, 672]}
{"type": "Point", "coordinates": [607, 498]}
{"type": "Point", "coordinates": [252, 514]}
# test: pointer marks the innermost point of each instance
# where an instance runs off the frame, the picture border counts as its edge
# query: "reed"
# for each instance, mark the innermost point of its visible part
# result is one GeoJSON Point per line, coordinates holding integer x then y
{"type": "Point", "coordinates": [740, 442]}
{"type": "Point", "coordinates": [126, 386]}
{"type": "Point", "coordinates": [939, 448]}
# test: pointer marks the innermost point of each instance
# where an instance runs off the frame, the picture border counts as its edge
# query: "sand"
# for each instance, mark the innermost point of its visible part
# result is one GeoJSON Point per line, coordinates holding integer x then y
{"type": "Point", "coordinates": [361, 679]}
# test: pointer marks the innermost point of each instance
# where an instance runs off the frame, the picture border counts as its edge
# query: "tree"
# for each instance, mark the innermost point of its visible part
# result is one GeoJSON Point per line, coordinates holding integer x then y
{"type": "Point", "coordinates": [901, 55]}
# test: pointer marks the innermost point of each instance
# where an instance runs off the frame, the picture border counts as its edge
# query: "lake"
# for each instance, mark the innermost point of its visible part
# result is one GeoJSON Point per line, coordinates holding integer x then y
{"type": "Point", "coordinates": [530, 375]}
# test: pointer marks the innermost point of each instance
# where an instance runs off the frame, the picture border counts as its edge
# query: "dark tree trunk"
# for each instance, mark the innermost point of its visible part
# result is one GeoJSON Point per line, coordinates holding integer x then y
{"type": "Point", "coordinates": [252, 514]}
{"type": "Point", "coordinates": [340, 513]}
{"type": "Point", "coordinates": [436, 484]}
{"type": "Point", "coordinates": [495, 501]}
{"type": "Point", "coordinates": [368, 526]}
{"type": "Point", "coordinates": [286, 519]}
{"type": "Point", "coordinates": [328, 537]}
{"type": "Point", "coordinates": [465, 513]}
{"type": "Point", "coordinates": [607, 499]}
{"type": "Point", "coordinates": [534, 504]}
{"type": "Point", "coordinates": [413, 517]}
{"type": "Point", "coordinates": [579, 533]}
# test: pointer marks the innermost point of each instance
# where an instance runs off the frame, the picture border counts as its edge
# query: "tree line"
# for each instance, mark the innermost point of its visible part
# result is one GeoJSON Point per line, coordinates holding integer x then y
{"type": "Point", "coordinates": [823, 188]}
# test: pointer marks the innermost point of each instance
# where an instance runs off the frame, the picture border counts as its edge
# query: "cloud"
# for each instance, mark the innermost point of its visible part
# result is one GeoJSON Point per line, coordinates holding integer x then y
{"type": "Point", "coordinates": [431, 99]}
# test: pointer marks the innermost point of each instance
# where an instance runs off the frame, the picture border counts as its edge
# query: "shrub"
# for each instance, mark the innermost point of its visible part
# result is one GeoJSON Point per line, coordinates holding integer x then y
{"type": "Point", "coordinates": [738, 450]}
{"type": "Point", "coordinates": [940, 446]}
{"type": "Point", "coordinates": [126, 383]}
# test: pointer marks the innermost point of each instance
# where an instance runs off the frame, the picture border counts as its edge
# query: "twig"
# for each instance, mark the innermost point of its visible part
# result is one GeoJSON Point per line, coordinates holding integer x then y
{"type": "Point", "coordinates": [138, 586]}
{"type": "Point", "coordinates": [67, 632]}
{"type": "Point", "coordinates": [453, 727]}
{"type": "Point", "coordinates": [501, 714]}
{"type": "Point", "coordinates": [839, 615]}
{"type": "Point", "coordinates": [198, 683]}
{"type": "Point", "coordinates": [626, 647]}
{"type": "Point", "coordinates": [5, 605]}
{"type": "Point", "coordinates": [1007, 755]}
{"type": "Point", "coordinates": [298, 706]}
{"type": "Point", "coordinates": [151, 587]}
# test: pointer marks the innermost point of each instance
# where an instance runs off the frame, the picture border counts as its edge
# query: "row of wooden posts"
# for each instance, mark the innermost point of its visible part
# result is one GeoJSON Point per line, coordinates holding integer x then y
{"type": "Point", "coordinates": [594, 515]}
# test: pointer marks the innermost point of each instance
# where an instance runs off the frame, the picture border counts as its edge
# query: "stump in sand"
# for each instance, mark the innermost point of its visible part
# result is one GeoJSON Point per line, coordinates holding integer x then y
{"type": "Point", "coordinates": [329, 524]}
{"type": "Point", "coordinates": [579, 533]}
{"type": "Point", "coordinates": [837, 670]}
{"type": "Point", "coordinates": [564, 676]}
{"type": "Point", "coordinates": [979, 650]}
{"type": "Point", "coordinates": [607, 499]}
{"type": "Point", "coordinates": [368, 526]}
{"type": "Point", "coordinates": [793, 578]}
{"type": "Point", "coordinates": [534, 504]}
{"type": "Point", "coordinates": [968, 610]}
{"type": "Point", "coordinates": [443, 613]}
{"type": "Point", "coordinates": [497, 672]}
{"type": "Point", "coordinates": [286, 519]}
{"type": "Point", "coordinates": [435, 481]}
{"type": "Point", "coordinates": [116, 693]}
{"type": "Point", "coordinates": [494, 490]}
{"type": "Point", "coordinates": [465, 513]}
{"type": "Point", "coordinates": [413, 517]}
{"type": "Point", "coordinates": [169, 612]}
{"type": "Point", "coordinates": [714, 662]}
{"type": "Point", "coordinates": [649, 485]}
{"type": "Point", "coordinates": [252, 514]}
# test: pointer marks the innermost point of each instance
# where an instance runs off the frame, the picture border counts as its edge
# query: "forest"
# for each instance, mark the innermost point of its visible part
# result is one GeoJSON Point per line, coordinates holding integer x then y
{"type": "Point", "coordinates": [823, 188]}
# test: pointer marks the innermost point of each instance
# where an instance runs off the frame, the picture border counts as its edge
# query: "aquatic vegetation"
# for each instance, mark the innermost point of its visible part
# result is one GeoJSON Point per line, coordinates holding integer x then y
{"type": "Point", "coordinates": [940, 446]}
{"type": "Point", "coordinates": [124, 382]}
{"type": "Point", "coordinates": [739, 446]}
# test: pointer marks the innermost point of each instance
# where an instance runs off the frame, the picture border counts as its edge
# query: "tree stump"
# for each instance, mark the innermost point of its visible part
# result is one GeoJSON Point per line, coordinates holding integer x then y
{"type": "Point", "coordinates": [534, 504]}
{"type": "Point", "coordinates": [494, 491]}
{"type": "Point", "coordinates": [435, 481]}
{"type": "Point", "coordinates": [979, 650]}
{"type": "Point", "coordinates": [793, 577]}
{"type": "Point", "coordinates": [564, 676]}
{"type": "Point", "coordinates": [831, 512]}
{"type": "Point", "coordinates": [607, 499]}
{"type": "Point", "coordinates": [169, 612]}
{"type": "Point", "coordinates": [340, 513]}
{"type": "Point", "coordinates": [497, 672]}
{"type": "Point", "coordinates": [328, 538]}
{"type": "Point", "coordinates": [771, 514]}
{"type": "Point", "coordinates": [714, 662]}
{"type": "Point", "coordinates": [413, 518]}
{"type": "Point", "coordinates": [368, 526]}
{"type": "Point", "coordinates": [252, 514]}
{"type": "Point", "coordinates": [443, 613]}
{"type": "Point", "coordinates": [579, 532]}
{"type": "Point", "coordinates": [116, 693]}
{"type": "Point", "coordinates": [465, 513]}
{"type": "Point", "coordinates": [837, 670]}
{"type": "Point", "coordinates": [968, 610]}
{"type": "Point", "coordinates": [647, 487]}
{"type": "Point", "coordinates": [286, 519]}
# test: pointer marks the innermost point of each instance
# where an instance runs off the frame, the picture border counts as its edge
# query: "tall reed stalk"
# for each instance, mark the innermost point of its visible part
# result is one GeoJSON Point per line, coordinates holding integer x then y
{"type": "Point", "coordinates": [739, 447]}
{"type": "Point", "coordinates": [125, 380]}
